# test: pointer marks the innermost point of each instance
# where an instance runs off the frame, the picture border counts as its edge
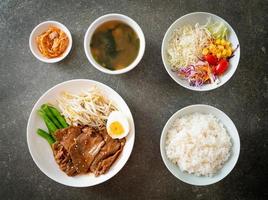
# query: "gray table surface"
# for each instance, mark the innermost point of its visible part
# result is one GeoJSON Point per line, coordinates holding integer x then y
{"type": "Point", "coordinates": [149, 91]}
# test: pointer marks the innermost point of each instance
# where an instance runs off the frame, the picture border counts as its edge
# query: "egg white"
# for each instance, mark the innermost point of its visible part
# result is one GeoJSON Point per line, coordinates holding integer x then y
{"type": "Point", "coordinates": [117, 116]}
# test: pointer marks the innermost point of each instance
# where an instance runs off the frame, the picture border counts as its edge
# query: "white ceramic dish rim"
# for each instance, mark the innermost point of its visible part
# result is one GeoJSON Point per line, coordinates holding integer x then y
{"type": "Point", "coordinates": [35, 107]}
{"type": "Point", "coordinates": [168, 162]}
{"type": "Point", "coordinates": [39, 56]}
{"type": "Point", "coordinates": [108, 17]}
{"type": "Point", "coordinates": [163, 51]}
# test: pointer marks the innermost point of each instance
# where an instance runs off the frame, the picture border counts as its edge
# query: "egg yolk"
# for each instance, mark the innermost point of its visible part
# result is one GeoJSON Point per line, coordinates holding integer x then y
{"type": "Point", "coordinates": [116, 128]}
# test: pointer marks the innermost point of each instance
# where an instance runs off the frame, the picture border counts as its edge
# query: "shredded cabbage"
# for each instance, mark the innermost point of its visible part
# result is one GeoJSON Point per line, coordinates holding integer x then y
{"type": "Point", "coordinates": [88, 108]}
{"type": "Point", "coordinates": [186, 45]}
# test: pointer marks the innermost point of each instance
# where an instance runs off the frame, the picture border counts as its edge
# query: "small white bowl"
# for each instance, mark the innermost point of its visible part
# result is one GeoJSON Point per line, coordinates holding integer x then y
{"type": "Point", "coordinates": [227, 167]}
{"type": "Point", "coordinates": [41, 28]}
{"type": "Point", "coordinates": [41, 151]}
{"type": "Point", "coordinates": [201, 18]}
{"type": "Point", "coordinates": [110, 17]}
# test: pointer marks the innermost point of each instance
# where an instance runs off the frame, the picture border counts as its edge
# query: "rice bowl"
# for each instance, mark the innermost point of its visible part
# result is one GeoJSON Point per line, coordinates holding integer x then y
{"type": "Point", "coordinates": [198, 144]}
{"type": "Point", "coordinates": [228, 165]}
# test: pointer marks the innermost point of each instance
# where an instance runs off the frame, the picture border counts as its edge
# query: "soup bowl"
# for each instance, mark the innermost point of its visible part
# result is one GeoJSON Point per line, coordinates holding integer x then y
{"type": "Point", "coordinates": [111, 17]}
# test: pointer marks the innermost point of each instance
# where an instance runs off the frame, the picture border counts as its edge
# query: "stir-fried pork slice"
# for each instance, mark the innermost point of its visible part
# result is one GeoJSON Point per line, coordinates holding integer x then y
{"type": "Point", "coordinates": [105, 165]}
{"type": "Point", "coordinates": [66, 136]}
{"type": "Point", "coordinates": [87, 145]}
{"type": "Point", "coordinates": [109, 149]}
{"type": "Point", "coordinates": [62, 157]}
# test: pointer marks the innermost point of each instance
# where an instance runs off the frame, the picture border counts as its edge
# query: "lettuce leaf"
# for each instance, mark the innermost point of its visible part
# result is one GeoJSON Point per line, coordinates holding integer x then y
{"type": "Point", "coordinates": [217, 29]}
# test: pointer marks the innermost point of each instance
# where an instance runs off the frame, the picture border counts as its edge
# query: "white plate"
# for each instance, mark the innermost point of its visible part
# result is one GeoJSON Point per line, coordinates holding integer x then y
{"type": "Point", "coordinates": [227, 167]}
{"type": "Point", "coordinates": [41, 151]}
{"type": "Point", "coordinates": [201, 18]}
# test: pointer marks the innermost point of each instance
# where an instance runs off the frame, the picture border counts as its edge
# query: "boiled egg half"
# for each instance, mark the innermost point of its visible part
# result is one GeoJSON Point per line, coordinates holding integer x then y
{"type": "Point", "coordinates": [117, 125]}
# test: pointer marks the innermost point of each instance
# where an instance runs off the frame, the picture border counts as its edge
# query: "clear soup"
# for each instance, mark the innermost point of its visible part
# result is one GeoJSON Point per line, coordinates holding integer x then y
{"type": "Point", "coordinates": [114, 45]}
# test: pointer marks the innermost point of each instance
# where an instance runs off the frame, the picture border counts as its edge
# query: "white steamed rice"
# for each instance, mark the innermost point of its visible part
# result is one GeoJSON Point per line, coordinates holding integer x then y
{"type": "Point", "coordinates": [198, 144]}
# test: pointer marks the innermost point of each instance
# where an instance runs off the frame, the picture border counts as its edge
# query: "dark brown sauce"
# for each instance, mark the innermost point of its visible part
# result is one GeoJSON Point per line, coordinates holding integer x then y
{"type": "Point", "coordinates": [114, 45]}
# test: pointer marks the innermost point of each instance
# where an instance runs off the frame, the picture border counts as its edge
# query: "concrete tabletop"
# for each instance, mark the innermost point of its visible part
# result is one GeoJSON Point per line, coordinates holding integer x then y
{"type": "Point", "coordinates": [148, 90]}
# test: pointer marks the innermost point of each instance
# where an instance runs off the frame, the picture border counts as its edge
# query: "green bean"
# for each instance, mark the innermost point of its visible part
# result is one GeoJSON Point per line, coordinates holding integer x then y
{"type": "Point", "coordinates": [46, 136]}
{"type": "Point", "coordinates": [48, 112]}
{"type": "Point", "coordinates": [57, 114]}
{"type": "Point", "coordinates": [51, 127]}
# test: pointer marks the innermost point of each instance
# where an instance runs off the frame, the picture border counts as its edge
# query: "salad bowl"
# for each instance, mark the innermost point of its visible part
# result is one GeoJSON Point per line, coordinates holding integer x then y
{"type": "Point", "coordinates": [201, 18]}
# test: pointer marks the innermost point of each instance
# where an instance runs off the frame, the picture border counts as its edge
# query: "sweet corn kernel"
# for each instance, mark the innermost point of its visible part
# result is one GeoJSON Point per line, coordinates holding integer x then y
{"type": "Point", "coordinates": [220, 47]}
{"type": "Point", "coordinates": [229, 52]}
{"type": "Point", "coordinates": [224, 53]}
{"type": "Point", "coordinates": [228, 44]}
{"type": "Point", "coordinates": [214, 50]}
{"type": "Point", "coordinates": [205, 51]}
{"type": "Point", "coordinates": [218, 55]}
{"type": "Point", "coordinates": [218, 41]}
{"type": "Point", "coordinates": [223, 42]}
{"type": "Point", "coordinates": [211, 47]}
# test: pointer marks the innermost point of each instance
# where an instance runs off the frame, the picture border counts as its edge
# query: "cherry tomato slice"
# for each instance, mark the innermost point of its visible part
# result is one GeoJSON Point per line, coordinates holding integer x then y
{"type": "Point", "coordinates": [212, 60]}
{"type": "Point", "coordinates": [213, 69]}
{"type": "Point", "coordinates": [221, 67]}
